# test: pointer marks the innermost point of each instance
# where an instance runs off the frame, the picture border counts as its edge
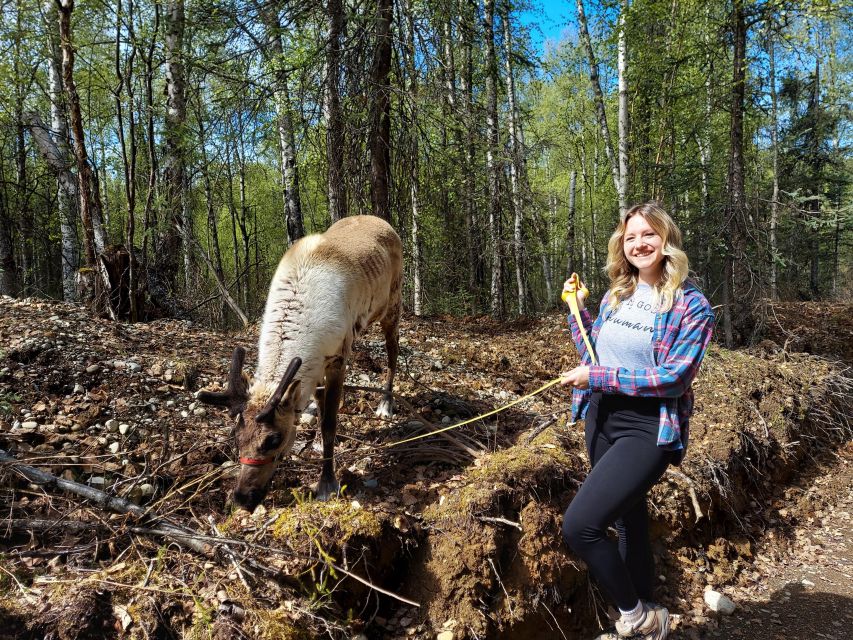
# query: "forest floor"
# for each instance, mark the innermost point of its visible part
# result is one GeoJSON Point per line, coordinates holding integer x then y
{"type": "Point", "coordinates": [466, 525]}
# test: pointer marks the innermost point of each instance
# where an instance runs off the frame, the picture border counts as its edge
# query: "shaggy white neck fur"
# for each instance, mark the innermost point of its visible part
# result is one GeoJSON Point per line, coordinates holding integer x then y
{"type": "Point", "coordinates": [306, 316]}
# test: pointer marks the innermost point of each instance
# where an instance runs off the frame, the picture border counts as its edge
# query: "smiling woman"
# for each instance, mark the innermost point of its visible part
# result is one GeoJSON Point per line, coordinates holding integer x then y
{"type": "Point", "coordinates": [650, 337]}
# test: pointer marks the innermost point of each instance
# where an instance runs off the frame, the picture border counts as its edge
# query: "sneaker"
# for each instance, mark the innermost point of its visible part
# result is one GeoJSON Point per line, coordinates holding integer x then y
{"type": "Point", "coordinates": [654, 625]}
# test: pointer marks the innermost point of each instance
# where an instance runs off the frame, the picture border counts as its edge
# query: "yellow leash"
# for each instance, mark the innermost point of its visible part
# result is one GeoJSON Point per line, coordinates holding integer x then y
{"type": "Point", "coordinates": [547, 385]}
{"type": "Point", "coordinates": [571, 297]}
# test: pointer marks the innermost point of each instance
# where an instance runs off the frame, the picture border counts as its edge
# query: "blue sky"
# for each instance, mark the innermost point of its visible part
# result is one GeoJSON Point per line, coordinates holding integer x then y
{"type": "Point", "coordinates": [547, 20]}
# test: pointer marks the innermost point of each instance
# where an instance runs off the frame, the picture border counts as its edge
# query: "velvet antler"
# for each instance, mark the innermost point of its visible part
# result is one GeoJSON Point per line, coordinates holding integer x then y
{"type": "Point", "coordinates": [266, 414]}
{"type": "Point", "coordinates": [236, 394]}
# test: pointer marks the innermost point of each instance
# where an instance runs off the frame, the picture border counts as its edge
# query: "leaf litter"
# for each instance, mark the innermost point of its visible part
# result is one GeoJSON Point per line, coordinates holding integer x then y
{"type": "Point", "coordinates": [466, 526]}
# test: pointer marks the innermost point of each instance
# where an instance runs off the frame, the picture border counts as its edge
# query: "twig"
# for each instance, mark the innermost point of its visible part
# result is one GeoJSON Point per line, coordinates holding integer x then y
{"type": "Point", "coordinates": [691, 489]}
{"type": "Point", "coordinates": [26, 592]}
{"type": "Point", "coordinates": [500, 521]}
{"type": "Point", "coordinates": [500, 582]}
{"type": "Point", "coordinates": [229, 553]}
{"type": "Point", "coordinates": [372, 586]}
{"type": "Point", "coordinates": [540, 428]}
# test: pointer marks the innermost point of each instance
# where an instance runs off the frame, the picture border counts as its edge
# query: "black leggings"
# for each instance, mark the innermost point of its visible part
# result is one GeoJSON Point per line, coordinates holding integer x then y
{"type": "Point", "coordinates": [621, 440]}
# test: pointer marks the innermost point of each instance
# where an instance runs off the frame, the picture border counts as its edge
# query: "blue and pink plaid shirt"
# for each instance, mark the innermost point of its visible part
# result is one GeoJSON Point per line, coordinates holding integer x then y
{"type": "Point", "coordinates": [679, 341]}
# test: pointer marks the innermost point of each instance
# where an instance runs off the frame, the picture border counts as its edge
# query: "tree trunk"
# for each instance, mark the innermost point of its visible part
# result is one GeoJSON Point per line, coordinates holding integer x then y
{"type": "Point", "coordinates": [380, 117]}
{"type": "Point", "coordinates": [493, 168]}
{"type": "Point", "coordinates": [174, 162]}
{"type": "Point", "coordinates": [414, 161]}
{"type": "Point", "coordinates": [599, 100]}
{"type": "Point", "coordinates": [516, 172]}
{"type": "Point", "coordinates": [85, 190]}
{"type": "Point", "coordinates": [150, 217]}
{"type": "Point", "coordinates": [742, 294]}
{"type": "Point", "coordinates": [125, 80]}
{"type": "Point", "coordinates": [624, 134]}
{"type": "Point", "coordinates": [570, 225]}
{"type": "Point", "coordinates": [472, 226]}
{"type": "Point", "coordinates": [66, 193]}
{"type": "Point", "coordinates": [286, 137]}
{"type": "Point", "coordinates": [774, 143]}
{"type": "Point", "coordinates": [334, 117]}
{"type": "Point", "coordinates": [8, 269]}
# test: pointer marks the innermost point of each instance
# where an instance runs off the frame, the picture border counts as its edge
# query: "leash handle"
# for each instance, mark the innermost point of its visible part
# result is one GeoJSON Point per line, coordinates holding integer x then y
{"type": "Point", "coordinates": [570, 296]}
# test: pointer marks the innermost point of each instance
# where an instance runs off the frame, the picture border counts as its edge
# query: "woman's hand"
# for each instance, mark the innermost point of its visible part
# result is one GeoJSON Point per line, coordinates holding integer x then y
{"type": "Point", "coordinates": [577, 378]}
{"type": "Point", "coordinates": [574, 284]}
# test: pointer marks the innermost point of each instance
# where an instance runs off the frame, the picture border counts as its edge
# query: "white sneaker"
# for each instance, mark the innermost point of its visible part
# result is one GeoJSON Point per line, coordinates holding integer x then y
{"type": "Point", "coordinates": [653, 625]}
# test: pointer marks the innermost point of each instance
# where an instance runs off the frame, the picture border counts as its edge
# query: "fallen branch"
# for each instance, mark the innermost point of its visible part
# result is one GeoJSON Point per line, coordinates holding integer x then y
{"type": "Point", "coordinates": [109, 503]}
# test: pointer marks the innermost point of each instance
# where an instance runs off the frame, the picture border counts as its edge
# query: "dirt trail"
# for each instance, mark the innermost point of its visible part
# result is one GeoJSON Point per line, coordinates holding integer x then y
{"type": "Point", "coordinates": [801, 585]}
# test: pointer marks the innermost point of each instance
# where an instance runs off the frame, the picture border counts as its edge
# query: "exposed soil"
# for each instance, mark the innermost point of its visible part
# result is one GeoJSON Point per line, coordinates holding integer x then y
{"type": "Point", "coordinates": [467, 526]}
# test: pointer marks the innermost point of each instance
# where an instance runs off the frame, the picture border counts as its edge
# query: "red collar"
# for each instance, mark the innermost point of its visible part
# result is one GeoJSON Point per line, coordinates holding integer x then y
{"type": "Point", "coordinates": [256, 462]}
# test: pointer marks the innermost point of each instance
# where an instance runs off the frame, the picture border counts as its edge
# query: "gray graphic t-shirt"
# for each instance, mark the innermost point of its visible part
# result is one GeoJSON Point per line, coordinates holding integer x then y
{"type": "Point", "coordinates": [625, 338]}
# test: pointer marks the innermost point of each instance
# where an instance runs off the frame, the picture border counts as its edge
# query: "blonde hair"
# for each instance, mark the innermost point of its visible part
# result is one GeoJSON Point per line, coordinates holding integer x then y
{"type": "Point", "coordinates": [624, 276]}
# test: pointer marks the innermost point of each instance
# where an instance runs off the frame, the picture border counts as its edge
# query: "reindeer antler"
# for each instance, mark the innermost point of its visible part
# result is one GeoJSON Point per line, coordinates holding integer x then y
{"type": "Point", "coordinates": [266, 414]}
{"type": "Point", "coordinates": [236, 394]}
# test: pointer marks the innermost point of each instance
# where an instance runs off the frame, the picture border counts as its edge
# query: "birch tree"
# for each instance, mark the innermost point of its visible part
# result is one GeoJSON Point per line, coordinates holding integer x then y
{"type": "Point", "coordinates": [493, 168]}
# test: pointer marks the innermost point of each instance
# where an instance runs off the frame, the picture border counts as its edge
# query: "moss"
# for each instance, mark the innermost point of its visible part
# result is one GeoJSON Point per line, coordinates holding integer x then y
{"type": "Point", "coordinates": [338, 517]}
{"type": "Point", "coordinates": [277, 624]}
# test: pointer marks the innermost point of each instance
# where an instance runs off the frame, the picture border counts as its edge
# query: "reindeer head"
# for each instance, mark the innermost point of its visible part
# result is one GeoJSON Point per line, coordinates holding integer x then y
{"type": "Point", "coordinates": [263, 432]}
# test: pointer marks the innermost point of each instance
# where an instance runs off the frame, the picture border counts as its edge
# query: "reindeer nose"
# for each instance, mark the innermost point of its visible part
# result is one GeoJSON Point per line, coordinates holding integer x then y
{"type": "Point", "coordinates": [248, 500]}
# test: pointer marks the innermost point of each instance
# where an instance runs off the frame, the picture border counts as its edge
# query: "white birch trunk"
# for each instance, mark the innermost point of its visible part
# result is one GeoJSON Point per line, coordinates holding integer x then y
{"type": "Point", "coordinates": [622, 189]}
{"type": "Point", "coordinates": [66, 192]}
{"type": "Point", "coordinates": [514, 172]}
{"type": "Point", "coordinates": [492, 166]}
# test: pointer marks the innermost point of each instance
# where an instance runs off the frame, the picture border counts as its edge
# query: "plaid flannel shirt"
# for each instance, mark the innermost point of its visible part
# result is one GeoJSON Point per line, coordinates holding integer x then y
{"type": "Point", "coordinates": [680, 339]}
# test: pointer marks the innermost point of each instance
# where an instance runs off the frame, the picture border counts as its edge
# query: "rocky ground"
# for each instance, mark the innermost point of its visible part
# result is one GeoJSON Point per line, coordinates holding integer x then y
{"type": "Point", "coordinates": [464, 525]}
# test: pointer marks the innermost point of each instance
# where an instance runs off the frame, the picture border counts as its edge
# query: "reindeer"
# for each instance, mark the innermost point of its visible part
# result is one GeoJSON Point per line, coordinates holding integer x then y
{"type": "Point", "coordinates": [327, 289]}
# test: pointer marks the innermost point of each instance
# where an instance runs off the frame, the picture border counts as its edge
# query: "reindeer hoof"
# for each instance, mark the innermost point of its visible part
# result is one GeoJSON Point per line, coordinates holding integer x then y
{"type": "Point", "coordinates": [327, 489]}
{"type": "Point", "coordinates": [385, 408]}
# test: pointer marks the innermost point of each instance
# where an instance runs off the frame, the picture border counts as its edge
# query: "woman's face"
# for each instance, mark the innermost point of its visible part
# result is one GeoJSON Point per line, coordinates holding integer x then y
{"type": "Point", "coordinates": [643, 245]}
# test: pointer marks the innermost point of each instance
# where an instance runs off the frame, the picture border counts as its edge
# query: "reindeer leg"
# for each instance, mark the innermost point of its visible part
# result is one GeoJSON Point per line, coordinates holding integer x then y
{"type": "Point", "coordinates": [335, 374]}
{"type": "Point", "coordinates": [391, 328]}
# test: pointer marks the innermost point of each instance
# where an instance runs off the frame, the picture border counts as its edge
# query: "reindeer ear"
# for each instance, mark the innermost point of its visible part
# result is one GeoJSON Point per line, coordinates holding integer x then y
{"type": "Point", "coordinates": [292, 395]}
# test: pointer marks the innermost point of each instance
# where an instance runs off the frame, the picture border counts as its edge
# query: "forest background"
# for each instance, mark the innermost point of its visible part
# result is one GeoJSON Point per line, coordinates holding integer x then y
{"type": "Point", "coordinates": [158, 157]}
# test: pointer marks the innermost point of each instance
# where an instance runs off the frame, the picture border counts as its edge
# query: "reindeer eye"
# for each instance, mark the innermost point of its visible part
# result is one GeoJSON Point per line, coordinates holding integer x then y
{"type": "Point", "coordinates": [272, 441]}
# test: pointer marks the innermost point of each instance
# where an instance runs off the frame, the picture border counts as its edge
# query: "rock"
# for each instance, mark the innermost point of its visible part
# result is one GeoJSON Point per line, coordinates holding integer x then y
{"type": "Point", "coordinates": [93, 368]}
{"type": "Point", "coordinates": [134, 367]}
{"type": "Point", "coordinates": [30, 424]}
{"type": "Point", "coordinates": [147, 489]}
{"type": "Point", "coordinates": [199, 411]}
{"type": "Point", "coordinates": [444, 635]}
{"type": "Point", "coordinates": [79, 388]}
{"type": "Point", "coordinates": [111, 425]}
{"type": "Point", "coordinates": [114, 447]}
{"type": "Point", "coordinates": [716, 601]}
{"type": "Point", "coordinates": [124, 429]}
{"type": "Point", "coordinates": [97, 482]}
{"type": "Point", "coordinates": [445, 420]}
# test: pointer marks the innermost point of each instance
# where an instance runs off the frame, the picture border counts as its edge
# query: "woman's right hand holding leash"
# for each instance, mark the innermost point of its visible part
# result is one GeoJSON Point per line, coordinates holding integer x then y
{"type": "Point", "coordinates": [572, 285]}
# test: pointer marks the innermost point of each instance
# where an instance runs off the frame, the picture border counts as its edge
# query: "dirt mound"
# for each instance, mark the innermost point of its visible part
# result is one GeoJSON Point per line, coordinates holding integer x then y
{"type": "Point", "coordinates": [466, 525]}
{"type": "Point", "coordinates": [820, 328]}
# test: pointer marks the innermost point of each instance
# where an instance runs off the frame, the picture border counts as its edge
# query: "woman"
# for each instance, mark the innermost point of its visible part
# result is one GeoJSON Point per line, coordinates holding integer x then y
{"type": "Point", "coordinates": [650, 336]}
